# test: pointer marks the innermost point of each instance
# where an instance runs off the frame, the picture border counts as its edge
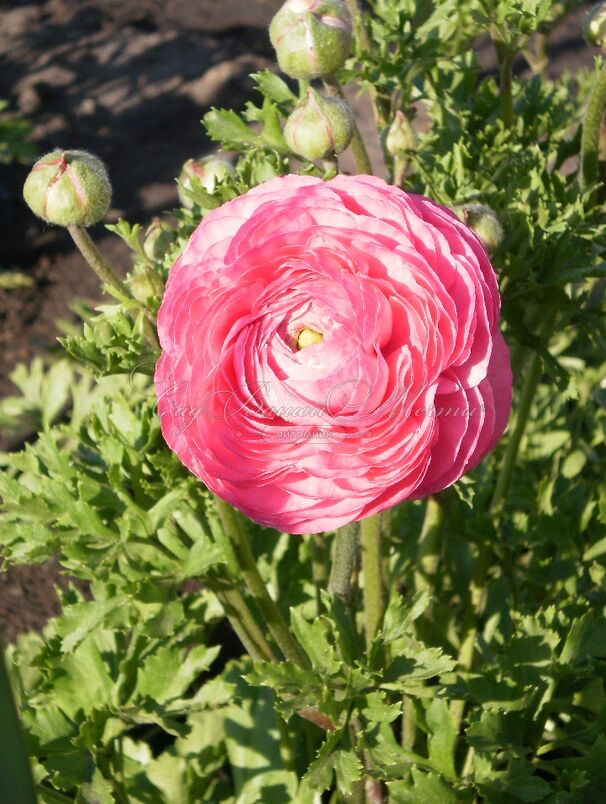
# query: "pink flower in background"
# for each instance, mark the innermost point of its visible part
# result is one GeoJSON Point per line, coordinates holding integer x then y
{"type": "Point", "coordinates": [329, 350]}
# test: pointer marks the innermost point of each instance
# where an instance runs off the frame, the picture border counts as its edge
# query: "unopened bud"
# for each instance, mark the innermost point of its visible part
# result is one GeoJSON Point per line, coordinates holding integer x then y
{"type": "Point", "coordinates": [319, 126]}
{"type": "Point", "coordinates": [146, 286]}
{"type": "Point", "coordinates": [483, 222]}
{"type": "Point", "coordinates": [208, 171]}
{"type": "Point", "coordinates": [158, 238]}
{"type": "Point", "coordinates": [68, 188]}
{"type": "Point", "coordinates": [312, 38]}
{"type": "Point", "coordinates": [400, 138]}
{"type": "Point", "coordinates": [594, 27]}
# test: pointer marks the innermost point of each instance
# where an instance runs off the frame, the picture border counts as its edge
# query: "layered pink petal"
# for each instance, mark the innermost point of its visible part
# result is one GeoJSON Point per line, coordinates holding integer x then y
{"type": "Point", "coordinates": [408, 387]}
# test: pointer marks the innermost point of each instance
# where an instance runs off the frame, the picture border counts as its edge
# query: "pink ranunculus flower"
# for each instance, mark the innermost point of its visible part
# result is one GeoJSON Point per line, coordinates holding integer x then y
{"type": "Point", "coordinates": [329, 350]}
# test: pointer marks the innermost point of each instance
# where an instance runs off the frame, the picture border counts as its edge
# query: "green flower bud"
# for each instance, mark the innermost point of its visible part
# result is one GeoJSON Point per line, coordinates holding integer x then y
{"type": "Point", "coordinates": [158, 238]}
{"type": "Point", "coordinates": [319, 126]}
{"type": "Point", "coordinates": [400, 138]}
{"type": "Point", "coordinates": [483, 221]}
{"type": "Point", "coordinates": [312, 38]}
{"type": "Point", "coordinates": [146, 285]}
{"type": "Point", "coordinates": [68, 188]}
{"type": "Point", "coordinates": [594, 27]}
{"type": "Point", "coordinates": [209, 171]}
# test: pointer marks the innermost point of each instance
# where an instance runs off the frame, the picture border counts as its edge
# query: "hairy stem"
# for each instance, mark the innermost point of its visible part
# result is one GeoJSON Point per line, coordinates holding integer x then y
{"type": "Point", "coordinates": [363, 39]}
{"type": "Point", "coordinates": [243, 621]}
{"type": "Point", "coordinates": [108, 276]}
{"type": "Point", "coordinates": [409, 725]}
{"type": "Point", "coordinates": [590, 137]}
{"type": "Point", "coordinates": [319, 565]}
{"type": "Point", "coordinates": [533, 375]}
{"type": "Point", "coordinates": [372, 569]}
{"type": "Point", "coordinates": [358, 148]}
{"type": "Point", "coordinates": [428, 555]}
{"type": "Point", "coordinates": [343, 562]}
{"type": "Point", "coordinates": [254, 583]}
{"type": "Point", "coordinates": [505, 57]}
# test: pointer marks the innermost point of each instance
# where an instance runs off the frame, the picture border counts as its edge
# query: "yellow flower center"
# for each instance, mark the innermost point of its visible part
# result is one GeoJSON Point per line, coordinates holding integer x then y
{"type": "Point", "coordinates": [307, 337]}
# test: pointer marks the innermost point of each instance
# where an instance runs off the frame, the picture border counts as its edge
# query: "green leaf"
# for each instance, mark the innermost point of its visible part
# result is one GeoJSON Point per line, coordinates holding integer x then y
{"type": "Point", "coordinates": [399, 616]}
{"type": "Point", "coordinates": [336, 756]}
{"type": "Point", "coordinates": [252, 739]}
{"type": "Point", "coordinates": [274, 87]}
{"type": "Point", "coordinates": [77, 621]}
{"type": "Point", "coordinates": [203, 556]}
{"type": "Point", "coordinates": [228, 128]}
{"type": "Point", "coordinates": [442, 737]}
{"type": "Point", "coordinates": [167, 673]}
{"type": "Point", "coordinates": [314, 640]}
{"type": "Point", "coordinates": [426, 788]}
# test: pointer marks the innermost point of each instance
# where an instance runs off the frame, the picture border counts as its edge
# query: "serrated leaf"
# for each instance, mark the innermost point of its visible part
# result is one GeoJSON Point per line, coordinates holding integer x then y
{"type": "Point", "coordinates": [312, 637]}
{"type": "Point", "coordinates": [77, 622]}
{"type": "Point", "coordinates": [426, 788]}
{"type": "Point", "coordinates": [442, 737]}
{"type": "Point", "coordinates": [399, 616]}
{"type": "Point", "coordinates": [167, 673]}
{"type": "Point", "coordinates": [203, 556]}
{"type": "Point", "coordinates": [274, 87]}
{"type": "Point", "coordinates": [335, 756]}
{"type": "Point", "coordinates": [228, 128]}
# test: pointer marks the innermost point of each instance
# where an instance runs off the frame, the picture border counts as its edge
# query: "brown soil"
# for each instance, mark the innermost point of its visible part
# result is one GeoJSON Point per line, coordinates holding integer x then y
{"type": "Point", "coordinates": [130, 82]}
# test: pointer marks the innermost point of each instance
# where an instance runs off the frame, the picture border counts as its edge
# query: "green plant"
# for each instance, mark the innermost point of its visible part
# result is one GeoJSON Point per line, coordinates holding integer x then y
{"type": "Point", "coordinates": [460, 654]}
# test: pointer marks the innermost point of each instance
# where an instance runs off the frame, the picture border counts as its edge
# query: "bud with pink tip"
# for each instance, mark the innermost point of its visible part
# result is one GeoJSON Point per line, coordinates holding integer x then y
{"type": "Point", "coordinates": [319, 126]}
{"type": "Point", "coordinates": [68, 188]}
{"type": "Point", "coordinates": [208, 171]}
{"type": "Point", "coordinates": [312, 38]}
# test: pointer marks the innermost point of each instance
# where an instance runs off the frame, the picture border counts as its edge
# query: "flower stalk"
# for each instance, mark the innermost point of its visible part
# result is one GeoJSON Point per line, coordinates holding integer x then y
{"type": "Point", "coordinates": [505, 58]}
{"type": "Point", "coordinates": [430, 545]}
{"type": "Point", "coordinates": [270, 612]}
{"type": "Point", "coordinates": [343, 562]}
{"type": "Point", "coordinates": [108, 276]}
{"type": "Point", "coordinates": [372, 570]}
{"type": "Point", "coordinates": [358, 146]}
{"type": "Point", "coordinates": [590, 137]}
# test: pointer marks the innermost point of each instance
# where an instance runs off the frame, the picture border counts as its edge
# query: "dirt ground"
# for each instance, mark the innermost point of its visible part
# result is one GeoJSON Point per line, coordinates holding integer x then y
{"type": "Point", "coordinates": [129, 82]}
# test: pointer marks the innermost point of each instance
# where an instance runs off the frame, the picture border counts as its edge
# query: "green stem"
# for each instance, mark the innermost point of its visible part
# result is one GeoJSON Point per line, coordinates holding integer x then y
{"type": "Point", "coordinates": [590, 137]}
{"type": "Point", "coordinates": [243, 622]}
{"type": "Point", "coordinates": [364, 42]}
{"type": "Point", "coordinates": [319, 565]}
{"type": "Point", "coordinates": [478, 585]}
{"type": "Point", "coordinates": [409, 726]}
{"type": "Point", "coordinates": [430, 545]}
{"type": "Point", "coordinates": [256, 586]}
{"type": "Point", "coordinates": [343, 562]}
{"type": "Point", "coordinates": [505, 57]}
{"type": "Point", "coordinates": [358, 148]}
{"type": "Point", "coordinates": [16, 782]}
{"type": "Point", "coordinates": [533, 375]}
{"type": "Point", "coordinates": [108, 276]}
{"type": "Point", "coordinates": [372, 569]}
{"type": "Point", "coordinates": [471, 625]}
